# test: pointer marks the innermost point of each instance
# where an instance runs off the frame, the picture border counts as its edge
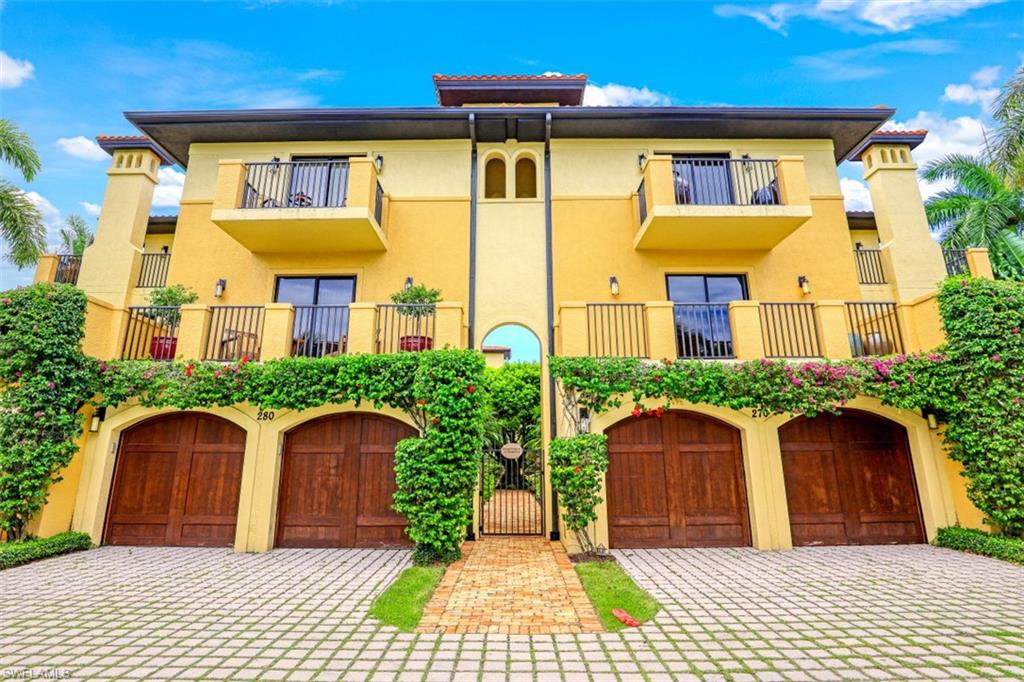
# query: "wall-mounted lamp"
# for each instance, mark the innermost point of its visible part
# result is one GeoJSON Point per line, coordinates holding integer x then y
{"type": "Point", "coordinates": [584, 420]}
{"type": "Point", "coordinates": [275, 163]}
{"type": "Point", "coordinates": [378, 161]}
{"type": "Point", "coordinates": [931, 418]}
{"type": "Point", "coordinates": [219, 287]}
{"type": "Point", "coordinates": [613, 284]}
{"type": "Point", "coordinates": [642, 159]}
{"type": "Point", "coordinates": [408, 283]}
{"type": "Point", "coordinates": [805, 284]}
{"type": "Point", "coordinates": [98, 417]}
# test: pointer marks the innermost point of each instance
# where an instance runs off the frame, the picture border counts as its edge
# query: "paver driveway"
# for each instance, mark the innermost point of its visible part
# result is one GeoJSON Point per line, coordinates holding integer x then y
{"type": "Point", "coordinates": [817, 613]}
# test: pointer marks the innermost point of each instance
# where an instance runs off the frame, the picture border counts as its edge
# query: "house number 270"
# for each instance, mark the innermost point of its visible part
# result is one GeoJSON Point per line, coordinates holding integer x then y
{"type": "Point", "coordinates": [264, 415]}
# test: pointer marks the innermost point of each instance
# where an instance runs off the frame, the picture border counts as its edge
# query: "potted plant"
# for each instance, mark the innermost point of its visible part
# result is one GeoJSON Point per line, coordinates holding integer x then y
{"type": "Point", "coordinates": [416, 302]}
{"type": "Point", "coordinates": [165, 314]}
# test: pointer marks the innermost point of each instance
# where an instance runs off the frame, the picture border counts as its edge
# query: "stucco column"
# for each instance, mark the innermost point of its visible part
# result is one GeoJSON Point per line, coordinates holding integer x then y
{"type": "Point", "coordinates": [572, 326]}
{"type": "Point", "coordinates": [979, 264]}
{"type": "Point", "coordinates": [792, 175]}
{"type": "Point", "coordinates": [192, 331]}
{"type": "Point", "coordinates": [277, 331]}
{"type": "Point", "coordinates": [362, 328]}
{"type": "Point", "coordinates": [833, 337]}
{"type": "Point", "coordinates": [448, 325]}
{"type": "Point", "coordinates": [745, 321]}
{"type": "Point", "coordinates": [661, 330]}
{"type": "Point", "coordinates": [914, 258]}
{"type": "Point", "coordinates": [46, 268]}
{"type": "Point", "coordinates": [230, 184]}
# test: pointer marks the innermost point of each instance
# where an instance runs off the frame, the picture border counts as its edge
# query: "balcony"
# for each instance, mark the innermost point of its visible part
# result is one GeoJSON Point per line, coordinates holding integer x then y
{"type": "Point", "coordinates": [153, 272]}
{"type": "Point", "coordinates": [956, 262]}
{"type": "Point", "coordinates": [740, 330]}
{"type": "Point", "coordinates": [705, 203]}
{"type": "Point", "coordinates": [869, 266]}
{"type": "Point", "coordinates": [302, 206]}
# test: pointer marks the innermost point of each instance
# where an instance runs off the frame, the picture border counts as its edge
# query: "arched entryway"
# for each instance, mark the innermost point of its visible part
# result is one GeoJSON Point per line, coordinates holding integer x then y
{"type": "Point", "coordinates": [849, 481]}
{"type": "Point", "coordinates": [338, 481]}
{"type": "Point", "coordinates": [676, 481]}
{"type": "Point", "coordinates": [176, 482]}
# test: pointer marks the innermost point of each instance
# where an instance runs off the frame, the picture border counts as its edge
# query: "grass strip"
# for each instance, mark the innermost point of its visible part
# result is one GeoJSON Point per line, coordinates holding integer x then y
{"type": "Point", "coordinates": [401, 604]}
{"type": "Point", "coordinates": [609, 587]}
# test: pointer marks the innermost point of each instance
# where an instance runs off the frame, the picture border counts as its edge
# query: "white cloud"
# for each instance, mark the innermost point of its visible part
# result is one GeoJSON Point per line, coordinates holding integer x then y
{"type": "Point", "coordinates": [83, 148]}
{"type": "Point", "coordinates": [986, 75]}
{"type": "Point", "coordinates": [14, 72]}
{"type": "Point", "coordinates": [960, 135]}
{"type": "Point", "coordinates": [91, 208]}
{"type": "Point", "coordinates": [168, 192]}
{"type": "Point", "coordinates": [615, 95]}
{"type": "Point", "coordinates": [861, 63]}
{"type": "Point", "coordinates": [863, 16]}
{"type": "Point", "coordinates": [977, 91]}
{"type": "Point", "coordinates": [52, 218]}
{"type": "Point", "coordinates": [856, 196]}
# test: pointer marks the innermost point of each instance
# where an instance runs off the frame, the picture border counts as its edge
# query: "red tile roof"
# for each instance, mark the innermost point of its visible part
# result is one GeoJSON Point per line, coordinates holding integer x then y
{"type": "Point", "coordinates": [901, 132]}
{"type": "Point", "coordinates": [110, 143]}
{"type": "Point", "coordinates": [514, 77]}
{"type": "Point", "coordinates": [122, 138]}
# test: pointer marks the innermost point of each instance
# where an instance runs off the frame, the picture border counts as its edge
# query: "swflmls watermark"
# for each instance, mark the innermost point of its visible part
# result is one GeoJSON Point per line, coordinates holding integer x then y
{"type": "Point", "coordinates": [35, 673]}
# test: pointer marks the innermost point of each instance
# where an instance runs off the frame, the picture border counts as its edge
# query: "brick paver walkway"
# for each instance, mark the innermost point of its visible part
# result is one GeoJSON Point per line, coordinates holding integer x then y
{"type": "Point", "coordinates": [818, 613]}
{"type": "Point", "coordinates": [511, 585]}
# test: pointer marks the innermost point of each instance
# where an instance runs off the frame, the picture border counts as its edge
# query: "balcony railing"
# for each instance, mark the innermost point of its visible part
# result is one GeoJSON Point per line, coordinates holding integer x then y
{"type": "Point", "coordinates": [869, 266]}
{"type": "Point", "coordinates": [617, 329]}
{"type": "Point", "coordinates": [235, 331]}
{"type": "Point", "coordinates": [378, 204]}
{"type": "Point", "coordinates": [725, 182]}
{"type": "Point", "coordinates": [68, 266]}
{"type": "Point", "coordinates": [320, 330]}
{"type": "Point", "coordinates": [641, 197]}
{"type": "Point", "coordinates": [956, 262]}
{"type": "Point", "coordinates": [295, 184]}
{"type": "Point", "coordinates": [406, 327]}
{"type": "Point", "coordinates": [703, 330]}
{"type": "Point", "coordinates": [154, 270]}
{"type": "Point", "coordinates": [152, 333]}
{"type": "Point", "coordinates": [873, 328]}
{"type": "Point", "coordinates": [789, 330]}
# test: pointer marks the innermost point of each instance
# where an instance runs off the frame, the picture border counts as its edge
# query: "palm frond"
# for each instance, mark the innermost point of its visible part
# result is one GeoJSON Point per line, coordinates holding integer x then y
{"type": "Point", "coordinates": [972, 175]}
{"type": "Point", "coordinates": [16, 149]}
{"type": "Point", "coordinates": [75, 235]}
{"type": "Point", "coordinates": [21, 226]}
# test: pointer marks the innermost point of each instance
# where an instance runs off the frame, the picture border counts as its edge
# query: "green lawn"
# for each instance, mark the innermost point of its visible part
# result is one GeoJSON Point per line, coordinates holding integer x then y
{"type": "Point", "coordinates": [609, 588]}
{"type": "Point", "coordinates": [402, 603]}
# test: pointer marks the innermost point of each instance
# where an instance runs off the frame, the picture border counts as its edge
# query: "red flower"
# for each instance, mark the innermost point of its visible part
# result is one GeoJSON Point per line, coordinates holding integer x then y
{"type": "Point", "coordinates": [435, 421]}
{"type": "Point", "coordinates": [638, 411]}
{"type": "Point", "coordinates": [660, 411]}
{"type": "Point", "coordinates": [657, 377]}
{"type": "Point", "coordinates": [578, 470]}
{"type": "Point", "coordinates": [471, 388]}
{"type": "Point", "coordinates": [188, 370]}
{"type": "Point", "coordinates": [216, 374]}
{"type": "Point", "coordinates": [421, 401]}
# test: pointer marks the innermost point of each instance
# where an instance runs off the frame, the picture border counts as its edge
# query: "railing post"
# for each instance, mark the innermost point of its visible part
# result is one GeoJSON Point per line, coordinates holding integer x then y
{"type": "Point", "coordinates": [658, 182]}
{"type": "Point", "coordinates": [46, 268]}
{"type": "Point", "coordinates": [448, 325]}
{"type": "Point", "coordinates": [792, 174]}
{"type": "Point", "coordinates": [661, 330]}
{"type": "Point", "coordinates": [192, 331]}
{"type": "Point", "coordinates": [979, 264]}
{"type": "Point", "coordinates": [278, 321]}
{"type": "Point", "coordinates": [833, 337]}
{"type": "Point", "coordinates": [362, 183]}
{"type": "Point", "coordinates": [362, 328]}
{"type": "Point", "coordinates": [745, 321]}
{"type": "Point", "coordinates": [230, 184]}
{"type": "Point", "coordinates": [574, 340]}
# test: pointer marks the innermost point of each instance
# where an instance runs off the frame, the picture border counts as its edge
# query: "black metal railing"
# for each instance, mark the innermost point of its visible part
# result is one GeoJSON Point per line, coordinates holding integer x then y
{"type": "Point", "coordinates": [152, 333]}
{"type": "Point", "coordinates": [295, 184]}
{"type": "Point", "coordinates": [789, 330]}
{"type": "Point", "coordinates": [378, 205]}
{"type": "Point", "coordinates": [617, 329]}
{"type": "Point", "coordinates": [319, 330]}
{"type": "Point", "coordinates": [641, 197]}
{"type": "Point", "coordinates": [68, 266]}
{"type": "Point", "coordinates": [869, 266]}
{"type": "Point", "coordinates": [511, 492]}
{"type": "Point", "coordinates": [703, 330]}
{"type": "Point", "coordinates": [405, 327]}
{"type": "Point", "coordinates": [725, 182]}
{"type": "Point", "coordinates": [874, 328]}
{"type": "Point", "coordinates": [235, 331]}
{"type": "Point", "coordinates": [956, 262]}
{"type": "Point", "coordinates": [154, 270]}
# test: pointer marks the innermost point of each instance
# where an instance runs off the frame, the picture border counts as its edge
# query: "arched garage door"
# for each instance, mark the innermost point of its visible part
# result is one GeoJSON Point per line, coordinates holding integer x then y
{"type": "Point", "coordinates": [849, 481]}
{"type": "Point", "coordinates": [337, 483]}
{"type": "Point", "coordinates": [676, 481]}
{"type": "Point", "coordinates": [176, 482]}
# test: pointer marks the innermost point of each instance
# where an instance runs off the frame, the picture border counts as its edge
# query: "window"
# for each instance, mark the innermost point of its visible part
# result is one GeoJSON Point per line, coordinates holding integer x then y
{"type": "Point", "coordinates": [703, 179]}
{"type": "Point", "coordinates": [494, 179]}
{"type": "Point", "coordinates": [526, 178]}
{"type": "Point", "coordinates": [321, 312]}
{"type": "Point", "coordinates": [701, 313]}
{"type": "Point", "coordinates": [315, 290]}
{"type": "Point", "coordinates": [706, 288]}
{"type": "Point", "coordinates": [318, 182]}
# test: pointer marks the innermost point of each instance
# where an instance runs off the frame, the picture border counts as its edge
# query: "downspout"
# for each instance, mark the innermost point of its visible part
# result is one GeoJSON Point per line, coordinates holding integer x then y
{"type": "Point", "coordinates": [472, 231]}
{"type": "Point", "coordinates": [549, 262]}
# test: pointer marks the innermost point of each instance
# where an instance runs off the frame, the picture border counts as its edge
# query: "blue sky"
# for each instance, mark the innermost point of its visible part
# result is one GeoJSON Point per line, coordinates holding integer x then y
{"type": "Point", "coordinates": [68, 69]}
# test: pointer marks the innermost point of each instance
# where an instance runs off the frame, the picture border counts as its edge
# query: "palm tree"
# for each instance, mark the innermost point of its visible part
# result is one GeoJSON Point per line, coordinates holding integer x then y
{"type": "Point", "coordinates": [982, 209]}
{"type": "Point", "coordinates": [75, 235]}
{"type": "Point", "coordinates": [1008, 152]}
{"type": "Point", "coordinates": [21, 224]}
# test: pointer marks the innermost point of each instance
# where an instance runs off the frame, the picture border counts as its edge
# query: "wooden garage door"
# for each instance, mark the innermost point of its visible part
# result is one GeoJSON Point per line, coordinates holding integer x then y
{"type": "Point", "coordinates": [337, 483]}
{"type": "Point", "coordinates": [176, 482]}
{"type": "Point", "coordinates": [676, 481]}
{"type": "Point", "coordinates": [849, 481]}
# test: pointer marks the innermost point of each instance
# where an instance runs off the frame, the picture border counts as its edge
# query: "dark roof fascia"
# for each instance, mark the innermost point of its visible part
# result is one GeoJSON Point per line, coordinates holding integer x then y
{"type": "Point", "coordinates": [162, 224]}
{"type": "Point", "coordinates": [567, 122]}
{"type": "Point", "coordinates": [861, 220]}
{"type": "Point", "coordinates": [911, 139]}
{"type": "Point", "coordinates": [566, 92]}
{"type": "Point", "coordinates": [112, 145]}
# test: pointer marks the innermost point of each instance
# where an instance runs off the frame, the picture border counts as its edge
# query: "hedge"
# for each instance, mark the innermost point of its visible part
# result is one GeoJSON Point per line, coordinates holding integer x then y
{"type": "Point", "coordinates": [24, 551]}
{"type": "Point", "coordinates": [980, 542]}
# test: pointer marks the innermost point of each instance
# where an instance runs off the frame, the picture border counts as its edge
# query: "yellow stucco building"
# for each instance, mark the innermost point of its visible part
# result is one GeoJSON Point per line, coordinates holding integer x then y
{"type": "Point", "coordinates": [716, 233]}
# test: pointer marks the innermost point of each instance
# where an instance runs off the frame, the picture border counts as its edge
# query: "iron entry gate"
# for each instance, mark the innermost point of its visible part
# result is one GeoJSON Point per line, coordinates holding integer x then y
{"type": "Point", "coordinates": [511, 492]}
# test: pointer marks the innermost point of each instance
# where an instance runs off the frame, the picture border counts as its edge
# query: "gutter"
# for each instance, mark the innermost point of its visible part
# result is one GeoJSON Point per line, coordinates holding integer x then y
{"type": "Point", "coordinates": [549, 266]}
{"type": "Point", "coordinates": [472, 230]}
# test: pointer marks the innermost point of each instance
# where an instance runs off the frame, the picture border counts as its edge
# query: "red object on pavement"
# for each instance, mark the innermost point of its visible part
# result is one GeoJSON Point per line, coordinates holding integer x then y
{"type": "Point", "coordinates": [625, 618]}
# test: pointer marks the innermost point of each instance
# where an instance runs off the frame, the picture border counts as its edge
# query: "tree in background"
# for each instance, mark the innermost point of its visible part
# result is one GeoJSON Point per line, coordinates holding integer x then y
{"type": "Point", "coordinates": [1008, 151]}
{"type": "Point", "coordinates": [75, 235]}
{"type": "Point", "coordinates": [512, 405]}
{"type": "Point", "coordinates": [21, 223]}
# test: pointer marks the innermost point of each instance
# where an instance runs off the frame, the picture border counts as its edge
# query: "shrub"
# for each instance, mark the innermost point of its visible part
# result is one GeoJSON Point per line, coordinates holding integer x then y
{"type": "Point", "coordinates": [980, 542]}
{"type": "Point", "coordinates": [578, 465]}
{"type": "Point", "coordinates": [23, 551]}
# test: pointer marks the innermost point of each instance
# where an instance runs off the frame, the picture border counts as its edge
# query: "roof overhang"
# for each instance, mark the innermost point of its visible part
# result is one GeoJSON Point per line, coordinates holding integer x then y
{"type": "Point", "coordinates": [912, 138]}
{"type": "Point", "coordinates": [861, 220]}
{"type": "Point", "coordinates": [457, 91]}
{"type": "Point", "coordinates": [175, 131]}
{"type": "Point", "coordinates": [111, 143]}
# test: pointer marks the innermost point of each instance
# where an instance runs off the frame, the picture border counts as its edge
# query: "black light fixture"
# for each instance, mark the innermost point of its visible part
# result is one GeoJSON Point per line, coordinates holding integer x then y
{"type": "Point", "coordinates": [584, 420]}
{"type": "Point", "coordinates": [275, 163]}
{"type": "Point", "coordinates": [378, 161]}
{"type": "Point", "coordinates": [642, 159]}
{"type": "Point", "coordinates": [219, 287]}
{"type": "Point", "coordinates": [805, 284]}
{"type": "Point", "coordinates": [408, 283]}
{"type": "Point", "coordinates": [613, 283]}
{"type": "Point", "coordinates": [98, 417]}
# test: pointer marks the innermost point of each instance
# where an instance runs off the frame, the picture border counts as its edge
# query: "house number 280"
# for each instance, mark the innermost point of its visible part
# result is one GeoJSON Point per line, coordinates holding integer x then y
{"type": "Point", "coordinates": [264, 415]}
